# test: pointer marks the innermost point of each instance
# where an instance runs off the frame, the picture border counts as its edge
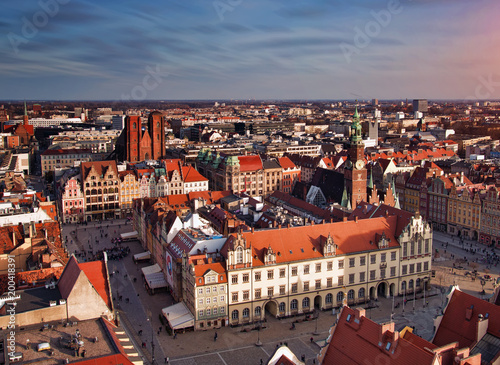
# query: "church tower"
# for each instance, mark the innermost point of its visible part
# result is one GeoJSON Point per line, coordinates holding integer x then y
{"type": "Point", "coordinates": [355, 173]}
{"type": "Point", "coordinates": [156, 129]}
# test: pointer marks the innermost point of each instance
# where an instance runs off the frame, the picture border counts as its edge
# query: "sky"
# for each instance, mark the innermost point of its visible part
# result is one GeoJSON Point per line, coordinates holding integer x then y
{"type": "Point", "coordinates": [249, 49]}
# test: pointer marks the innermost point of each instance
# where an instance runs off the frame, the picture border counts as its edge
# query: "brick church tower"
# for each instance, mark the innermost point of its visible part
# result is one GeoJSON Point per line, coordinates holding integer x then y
{"type": "Point", "coordinates": [355, 173]}
{"type": "Point", "coordinates": [136, 144]}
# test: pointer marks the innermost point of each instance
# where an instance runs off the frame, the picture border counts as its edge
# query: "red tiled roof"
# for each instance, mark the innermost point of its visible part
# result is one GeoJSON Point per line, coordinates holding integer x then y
{"type": "Point", "coordinates": [461, 317]}
{"type": "Point", "coordinates": [50, 209]}
{"type": "Point", "coordinates": [250, 163]}
{"type": "Point", "coordinates": [100, 166]}
{"type": "Point", "coordinates": [365, 210]}
{"type": "Point", "coordinates": [98, 277]}
{"type": "Point", "coordinates": [360, 339]}
{"type": "Point", "coordinates": [39, 277]}
{"type": "Point", "coordinates": [190, 174]}
{"type": "Point", "coordinates": [286, 163]}
{"type": "Point", "coordinates": [202, 269]}
{"type": "Point", "coordinates": [304, 242]}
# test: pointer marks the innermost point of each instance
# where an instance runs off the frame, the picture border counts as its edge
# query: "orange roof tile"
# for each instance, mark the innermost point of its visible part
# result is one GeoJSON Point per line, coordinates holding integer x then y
{"type": "Point", "coordinates": [98, 277]}
{"type": "Point", "coordinates": [460, 319]}
{"type": "Point", "coordinates": [304, 242]}
{"type": "Point", "coordinates": [286, 163]}
{"type": "Point", "coordinates": [359, 338]}
{"type": "Point", "coordinates": [250, 163]}
{"type": "Point", "coordinates": [190, 174]}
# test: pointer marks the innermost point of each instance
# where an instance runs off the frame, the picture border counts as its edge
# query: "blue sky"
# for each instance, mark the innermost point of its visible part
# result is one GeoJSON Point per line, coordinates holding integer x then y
{"type": "Point", "coordinates": [242, 49]}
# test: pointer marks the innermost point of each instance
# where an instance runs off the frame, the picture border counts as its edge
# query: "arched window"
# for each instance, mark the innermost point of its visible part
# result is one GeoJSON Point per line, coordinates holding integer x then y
{"type": "Point", "coordinates": [257, 311]}
{"type": "Point", "coordinates": [134, 125]}
{"type": "Point", "coordinates": [157, 124]}
{"type": "Point", "coordinates": [305, 302]}
{"type": "Point", "coordinates": [294, 304]}
{"type": "Point", "coordinates": [419, 252]}
{"type": "Point", "coordinates": [410, 284]}
{"type": "Point", "coordinates": [340, 296]}
{"type": "Point", "coordinates": [99, 191]}
{"type": "Point", "coordinates": [87, 192]}
{"type": "Point", "coordinates": [282, 307]}
{"type": "Point", "coordinates": [403, 285]}
{"type": "Point", "coordinates": [116, 190]}
{"type": "Point", "coordinates": [329, 298]}
{"type": "Point", "coordinates": [94, 192]}
{"type": "Point", "coordinates": [417, 284]}
{"type": "Point", "coordinates": [246, 313]}
{"type": "Point", "coordinates": [105, 191]}
{"type": "Point", "coordinates": [361, 293]}
{"type": "Point", "coordinates": [350, 294]}
{"type": "Point", "coordinates": [235, 314]}
{"type": "Point", "coordinates": [239, 255]}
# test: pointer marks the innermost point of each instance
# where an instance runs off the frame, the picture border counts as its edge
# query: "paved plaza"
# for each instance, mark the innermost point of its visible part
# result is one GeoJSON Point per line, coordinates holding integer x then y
{"type": "Point", "coordinates": [140, 312]}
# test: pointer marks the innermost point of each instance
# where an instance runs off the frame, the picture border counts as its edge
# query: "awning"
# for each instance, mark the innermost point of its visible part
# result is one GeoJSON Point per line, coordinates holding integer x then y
{"type": "Point", "coordinates": [151, 269]}
{"type": "Point", "coordinates": [156, 280]}
{"type": "Point", "coordinates": [142, 256]}
{"type": "Point", "coordinates": [178, 316]}
{"type": "Point", "coordinates": [129, 235]}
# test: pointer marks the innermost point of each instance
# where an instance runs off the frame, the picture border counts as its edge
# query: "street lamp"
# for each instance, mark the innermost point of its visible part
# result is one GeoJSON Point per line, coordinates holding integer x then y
{"type": "Point", "coordinates": [258, 343]}
{"type": "Point", "coordinates": [315, 333]}
{"type": "Point", "coordinates": [425, 280]}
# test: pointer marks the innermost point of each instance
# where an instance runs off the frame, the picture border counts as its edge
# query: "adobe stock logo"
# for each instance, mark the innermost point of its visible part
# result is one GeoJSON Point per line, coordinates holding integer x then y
{"type": "Point", "coordinates": [485, 88]}
{"type": "Point", "coordinates": [150, 81]}
{"type": "Point", "coordinates": [223, 6]}
{"type": "Point", "coordinates": [363, 37]}
{"type": "Point", "coordinates": [39, 20]}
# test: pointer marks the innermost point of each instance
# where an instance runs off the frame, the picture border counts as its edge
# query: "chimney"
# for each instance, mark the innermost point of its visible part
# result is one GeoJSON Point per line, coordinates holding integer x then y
{"type": "Point", "coordinates": [209, 260]}
{"type": "Point", "coordinates": [462, 177]}
{"type": "Point", "coordinates": [482, 326]}
{"type": "Point", "coordinates": [361, 311]}
{"type": "Point", "coordinates": [253, 230]}
{"type": "Point", "coordinates": [356, 219]}
{"type": "Point", "coordinates": [344, 219]}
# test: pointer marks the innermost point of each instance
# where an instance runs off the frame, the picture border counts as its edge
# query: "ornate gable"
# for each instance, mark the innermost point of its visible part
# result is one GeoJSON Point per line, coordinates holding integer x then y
{"type": "Point", "coordinates": [239, 252]}
{"type": "Point", "coordinates": [328, 246]}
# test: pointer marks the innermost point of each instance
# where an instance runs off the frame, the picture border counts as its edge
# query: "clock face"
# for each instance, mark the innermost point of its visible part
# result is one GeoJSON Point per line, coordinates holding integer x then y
{"type": "Point", "coordinates": [360, 164]}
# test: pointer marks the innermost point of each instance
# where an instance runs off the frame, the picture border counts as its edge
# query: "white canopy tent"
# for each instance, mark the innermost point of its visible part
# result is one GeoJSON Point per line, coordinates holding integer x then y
{"type": "Point", "coordinates": [156, 280]}
{"type": "Point", "coordinates": [178, 316]}
{"type": "Point", "coordinates": [151, 269]}
{"type": "Point", "coordinates": [129, 235]}
{"type": "Point", "coordinates": [142, 256]}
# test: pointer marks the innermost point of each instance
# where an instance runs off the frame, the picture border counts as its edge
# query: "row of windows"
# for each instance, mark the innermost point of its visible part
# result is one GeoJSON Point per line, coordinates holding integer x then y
{"type": "Point", "coordinates": [317, 284]}
{"type": "Point", "coordinates": [212, 300]}
{"type": "Point", "coordinates": [307, 268]}
{"type": "Point", "coordinates": [418, 266]}
{"type": "Point", "coordinates": [211, 311]}
{"type": "Point", "coordinates": [294, 304]}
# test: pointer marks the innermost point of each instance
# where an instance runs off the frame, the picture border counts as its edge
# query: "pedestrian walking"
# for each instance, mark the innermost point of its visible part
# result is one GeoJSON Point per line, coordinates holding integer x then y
{"type": "Point", "coordinates": [215, 336]}
{"type": "Point", "coordinates": [167, 360]}
{"type": "Point", "coordinates": [175, 335]}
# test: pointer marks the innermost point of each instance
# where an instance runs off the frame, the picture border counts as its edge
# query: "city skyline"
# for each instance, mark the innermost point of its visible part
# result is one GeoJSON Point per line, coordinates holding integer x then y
{"type": "Point", "coordinates": [241, 49]}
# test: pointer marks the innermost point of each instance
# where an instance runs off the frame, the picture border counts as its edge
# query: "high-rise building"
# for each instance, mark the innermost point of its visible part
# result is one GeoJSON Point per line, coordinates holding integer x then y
{"type": "Point", "coordinates": [420, 105]}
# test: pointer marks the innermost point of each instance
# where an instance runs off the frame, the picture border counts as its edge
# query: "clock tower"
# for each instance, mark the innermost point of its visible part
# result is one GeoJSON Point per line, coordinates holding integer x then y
{"type": "Point", "coordinates": [355, 174]}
